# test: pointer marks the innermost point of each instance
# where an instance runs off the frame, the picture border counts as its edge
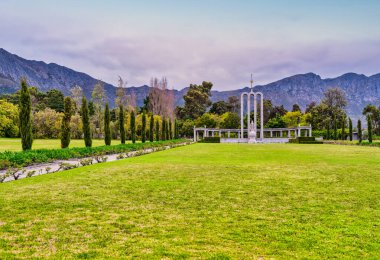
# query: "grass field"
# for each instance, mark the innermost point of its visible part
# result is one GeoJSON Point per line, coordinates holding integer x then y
{"type": "Point", "coordinates": [214, 201]}
{"type": "Point", "coordinates": [14, 144]}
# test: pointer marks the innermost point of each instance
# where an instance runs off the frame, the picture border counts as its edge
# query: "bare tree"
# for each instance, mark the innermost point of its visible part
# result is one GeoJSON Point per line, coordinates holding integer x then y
{"type": "Point", "coordinates": [121, 96]}
{"type": "Point", "coordinates": [76, 96]}
{"type": "Point", "coordinates": [161, 100]}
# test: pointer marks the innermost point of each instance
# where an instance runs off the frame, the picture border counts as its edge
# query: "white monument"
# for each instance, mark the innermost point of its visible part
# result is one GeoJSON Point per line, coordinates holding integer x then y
{"type": "Point", "coordinates": [252, 125]}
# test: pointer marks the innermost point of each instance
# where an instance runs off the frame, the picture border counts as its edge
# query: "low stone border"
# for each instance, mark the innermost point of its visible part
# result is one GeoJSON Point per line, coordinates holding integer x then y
{"type": "Point", "coordinates": [13, 174]}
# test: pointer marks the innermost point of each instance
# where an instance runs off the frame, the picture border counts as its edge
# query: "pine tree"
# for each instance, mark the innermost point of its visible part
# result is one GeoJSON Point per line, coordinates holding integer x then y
{"type": "Point", "coordinates": [369, 123]}
{"type": "Point", "coordinates": [86, 123]}
{"type": "Point", "coordinates": [344, 129]}
{"type": "Point", "coordinates": [350, 128]}
{"type": "Point", "coordinates": [143, 130]}
{"type": "Point", "coordinates": [151, 127]}
{"type": "Point", "coordinates": [65, 126]}
{"type": "Point", "coordinates": [360, 131]}
{"type": "Point", "coordinates": [107, 129]}
{"type": "Point", "coordinates": [133, 127]}
{"type": "Point", "coordinates": [25, 117]}
{"type": "Point", "coordinates": [121, 124]}
{"type": "Point", "coordinates": [157, 128]}
{"type": "Point", "coordinates": [170, 130]}
{"type": "Point", "coordinates": [163, 130]}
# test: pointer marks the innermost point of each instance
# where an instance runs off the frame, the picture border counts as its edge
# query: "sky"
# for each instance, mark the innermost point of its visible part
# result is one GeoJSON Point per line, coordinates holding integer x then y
{"type": "Point", "coordinates": [196, 40]}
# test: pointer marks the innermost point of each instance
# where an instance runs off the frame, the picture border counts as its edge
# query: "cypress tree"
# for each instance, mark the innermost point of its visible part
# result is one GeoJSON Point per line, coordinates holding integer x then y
{"type": "Point", "coordinates": [175, 129]}
{"type": "Point", "coordinates": [163, 130]}
{"type": "Point", "coordinates": [143, 131]}
{"type": "Point", "coordinates": [350, 128]}
{"type": "Point", "coordinates": [360, 131]}
{"type": "Point", "coordinates": [133, 127]}
{"type": "Point", "coordinates": [369, 123]}
{"type": "Point", "coordinates": [328, 131]}
{"type": "Point", "coordinates": [65, 126]}
{"type": "Point", "coordinates": [335, 129]}
{"type": "Point", "coordinates": [121, 124]}
{"type": "Point", "coordinates": [86, 123]}
{"type": "Point", "coordinates": [170, 130]}
{"type": "Point", "coordinates": [151, 127]}
{"type": "Point", "coordinates": [167, 129]}
{"type": "Point", "coordinates": [157, 130]}
{"type": "Point", "coordinates": [343, 128]}
{"type": "Point", "coordinates": [25, 115]}
{"type": "Point", "coordinates": [107, 129]}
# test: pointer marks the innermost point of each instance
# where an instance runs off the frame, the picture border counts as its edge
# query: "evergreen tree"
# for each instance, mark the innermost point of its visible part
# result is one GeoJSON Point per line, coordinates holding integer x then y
{"type": "Point", "coordinates": [133, 127]}
{"type": "Point", "coordinates": [369, 123]}
{"type": "Point", "coordinates": [121, 124]}
{"type": "Point", "coordinates": [143, 130]}
{"type": "Point", "coordinates": [151, 127]}
{"type": "Point", "coordinates": [335, 129]}
{"type": "Point", "coordinates": [163, 130]}
{"type": "Point", "coordinates": [25, 117]}
{"type": "Point", "coordinates": [167, 130]}
{"type": "Point", "coordinates": [360, 131]}
{"type": "Point", "coordinates": [175, 129]}
{"type": "Point", "coordinates": [157, 128]}
{"type": "Point", "coordinates": [86, 123]}
{"type": "Point", "coordinates": [107, 129]}
{"type": "Point", "coordinates": [65, 126]}
{"type": "Point", "coordinates": [344, 129]}
{"type": "Point", "coordinates": [328, 131]}
{"type": "Point", "coordinates": [350, 128]}
{"type": "Point", "coordinates": [170, 130]}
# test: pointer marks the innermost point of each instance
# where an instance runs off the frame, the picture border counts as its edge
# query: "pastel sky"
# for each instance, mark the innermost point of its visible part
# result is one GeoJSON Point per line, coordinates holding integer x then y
{"type": "Point", "coordinates": [190, 41]}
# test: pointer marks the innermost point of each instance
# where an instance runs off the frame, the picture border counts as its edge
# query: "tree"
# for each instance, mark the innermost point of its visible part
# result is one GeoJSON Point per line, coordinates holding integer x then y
{"type": "Point", "coordinates": [121, 97]}
{"type": "Point", "coordinates": [160, 99]}
{"type": "Point", "coordinates": [25, 117]}
{"type": "Point", "coordinates": [163, 130]}
{"type": "Point", "coordinates": [76, 96]}
{"type": "Point", "coordinates": [335, 128]}
{"type": "Point", "coordinates": [143, 132]}
{"type": "Point", "coordinates": [207, 119]}
{"type": "Point", "coordinates": [157, 128]}
{"type": "Point", "coordinates": [107, 129]}
{"type": "Point", "coordinates": [91, 108]}
{"type": "Point", "coordinates": [344, 129]}
{"type": "Point", "coordinates": [350, 128]}
{"type": "Point", "coordinates": [55, 100]}
{"type": "Point", "coordinates": [310, 107]}
{"type": "Point", "coordinates": [8, 119]}
{"type": "Point", "coordinates": [233, 104]}
{"type": "Point", "coordinates": [98, 98]}
{"type": "Point", "coordinates": [121, 124]}
{"type": "Point", "coordinates": [151, 128]}
{"type": "Point", "coordinates": [369, 124]}
{"type": "Point", "coordinates": [133, 126]}
{"type": "Point", "coordinates": [86, 123]}
{"type": "Point", "coordinates": [230, 120]}
{"type": "Point", "coordinates": [296, 107]}
{"type": "Point", "coordinates": [170, 130]}
{"type": "Point", "coordinates": [176, 129]}
{"type": "Point", "coordinates": [197, 100]}
{"type": "Point", "coordinates": [65, 127]}
{"type": "Point", "coordinates": [219, 108]}
{"type": "Point", "coordinates": [360, 136]}
{"type": "Point", "coordinates": [374, 112]}
{"type": "Point", "coordinates": [167, 137]}
{"type": "Point", "coordinates": [277, 122]}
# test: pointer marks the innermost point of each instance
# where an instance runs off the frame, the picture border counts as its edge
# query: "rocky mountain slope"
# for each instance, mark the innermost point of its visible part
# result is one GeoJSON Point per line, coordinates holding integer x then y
{"type": "Point", "coordinates": [301, 89]}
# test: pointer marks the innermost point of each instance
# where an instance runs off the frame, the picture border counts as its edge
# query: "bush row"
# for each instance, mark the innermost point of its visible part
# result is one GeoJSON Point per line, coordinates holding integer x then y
{"type": "Point", "coordinates": [304, 140]}
{"type": "Point", "coordinates": [22, 159]}
{"type": "Point", "coordinates": [210, 140]}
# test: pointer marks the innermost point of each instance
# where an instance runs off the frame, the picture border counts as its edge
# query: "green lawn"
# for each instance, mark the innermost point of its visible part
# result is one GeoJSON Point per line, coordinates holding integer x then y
{"type": "Point", "coordinates": [14, 144]}
{"type": "Point", "coordinates": [214, 201]}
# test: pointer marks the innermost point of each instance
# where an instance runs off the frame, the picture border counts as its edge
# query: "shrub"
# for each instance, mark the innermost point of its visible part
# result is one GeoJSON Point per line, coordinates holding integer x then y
{"type": "Point", "coordinates": [304, 140]}
{"type": "Point", "coordinates": [211, 140]}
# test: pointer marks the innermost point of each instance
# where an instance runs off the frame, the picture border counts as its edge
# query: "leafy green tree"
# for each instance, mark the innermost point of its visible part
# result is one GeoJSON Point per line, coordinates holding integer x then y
{"type": "Point", "coordinates": [157, 128]}
{"type": "Point", "coordinates": [65, 126]}
{"type": "Point", "coordinates": [91, 108]}
{"type": "Point", "coordinates": [360, 135]}
{"type": "Point", "coordinates": [374, 112]}
{"type": "Point", "coordinates": [133, 126]}
{"type": "Point", "coordinates": [143, 131]}
{"type": "Point", "coordinates": [296, 107]}
{"type": "Point", "coordinates": [276, 122]}
{"type": "Point", "coordinates": [107, 129]}
{"type": "Point", "coordinates": [151, 128]}
{"type": "Point", "coordinates": [8, 119]}
{"type": "Point", "coordinates": [55, 100]}
{"type": "Point", "coordinates": [121, 124]}
{"type": "Point", "coordinates": [369, 124]}
{"type": "Point", "coordinates": [25, 116]}
{"type": "Point", "coordinates": [86, 123]}
{"type": "Point", "coordinates": [350, 128]}
{"type": "Point", "coordinates": [219, 108]}
{"type": "Point", "coordinates": [230, 120]}
{"type": "Point", "coordinates": [197, 100]}
{"type": "Point", "coordinates": [207, 119]}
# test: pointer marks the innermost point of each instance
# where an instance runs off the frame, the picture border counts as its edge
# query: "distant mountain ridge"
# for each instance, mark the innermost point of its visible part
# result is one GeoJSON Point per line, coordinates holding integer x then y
{"type": "Point", "coordinates": [301, 89]}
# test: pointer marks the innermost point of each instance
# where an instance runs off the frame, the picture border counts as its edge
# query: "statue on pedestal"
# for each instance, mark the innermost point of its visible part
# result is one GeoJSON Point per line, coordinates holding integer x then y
{"type": "Point", "coordinates": [252, 132]}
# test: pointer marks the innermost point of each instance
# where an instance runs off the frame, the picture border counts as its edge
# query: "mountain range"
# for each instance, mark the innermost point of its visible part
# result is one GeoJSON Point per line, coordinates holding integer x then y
{"type": "Point", "coordinates": [299, 89]}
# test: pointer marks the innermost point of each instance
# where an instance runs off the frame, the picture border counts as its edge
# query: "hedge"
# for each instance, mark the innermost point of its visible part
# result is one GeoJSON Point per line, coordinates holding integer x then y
{"type": "Point", "coordinates": [304, 140]}
{"type": "Point", "coordinates": [25, 158]}
{"type": "Point", "coordinates": [210, 140]}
